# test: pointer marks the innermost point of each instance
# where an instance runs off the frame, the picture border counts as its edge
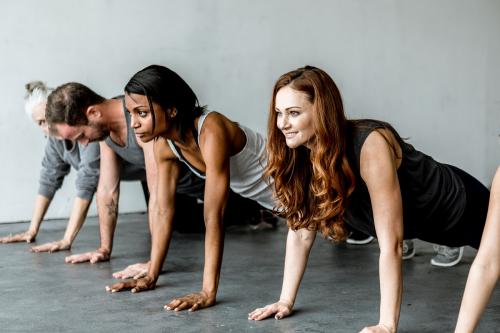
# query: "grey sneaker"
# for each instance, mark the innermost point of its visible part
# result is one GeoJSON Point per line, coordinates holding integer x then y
{"type": "Point", "coordinates": [408, 249]}
{"type": "Point", "coordinates": [447, 256]}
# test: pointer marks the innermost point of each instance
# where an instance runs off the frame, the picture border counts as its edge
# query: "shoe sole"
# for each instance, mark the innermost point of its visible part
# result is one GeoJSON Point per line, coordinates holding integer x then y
{"type": "Point", "coordinates": [449, 264]}
{"type": "Point", "coordinates": [411, 255]}
{"type": "Point", "coordinates": [361, 241]}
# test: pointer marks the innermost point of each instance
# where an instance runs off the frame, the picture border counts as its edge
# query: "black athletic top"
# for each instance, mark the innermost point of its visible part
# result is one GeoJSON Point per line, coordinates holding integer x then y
{"type": "Point", "coordinates": [134, 168]}
{"type": "Point", "coordinates": [433, 195]}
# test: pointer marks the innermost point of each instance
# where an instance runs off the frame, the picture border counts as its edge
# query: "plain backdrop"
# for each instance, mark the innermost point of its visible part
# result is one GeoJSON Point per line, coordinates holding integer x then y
{"type": "Point", "coordinates": [431, 68]}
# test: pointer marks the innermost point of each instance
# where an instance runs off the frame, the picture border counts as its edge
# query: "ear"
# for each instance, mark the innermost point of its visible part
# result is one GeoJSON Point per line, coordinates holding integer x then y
{"type": "Point", "coordinates": [93, 112]}
{"type": "Point", "coordinates": [172, 112]}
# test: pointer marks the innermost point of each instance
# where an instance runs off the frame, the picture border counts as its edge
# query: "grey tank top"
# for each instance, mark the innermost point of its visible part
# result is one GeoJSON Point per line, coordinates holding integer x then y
{"type": "Point", "coordinates": [134, 167]}
{"type": "Point", "coordinates": [246, 167]}
{"type": "Point", "coordinates": [433, 195]}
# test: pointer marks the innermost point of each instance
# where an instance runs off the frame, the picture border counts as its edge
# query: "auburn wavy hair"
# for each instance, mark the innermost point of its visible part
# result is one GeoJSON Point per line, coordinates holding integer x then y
{"type": "Point", "coordinates": [312, 185]}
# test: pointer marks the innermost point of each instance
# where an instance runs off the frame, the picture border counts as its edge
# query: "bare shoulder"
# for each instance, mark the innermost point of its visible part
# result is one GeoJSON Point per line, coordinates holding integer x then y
{"type": "Point", "coordinates": [380, 153]}
{"type": "Point", "coordinates": [162, 150]}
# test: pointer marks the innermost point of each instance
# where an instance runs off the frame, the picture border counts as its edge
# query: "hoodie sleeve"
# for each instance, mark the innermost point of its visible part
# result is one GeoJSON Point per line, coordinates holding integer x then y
{"type": "Point", "coordinates": [54, 168]}
{"type": "Point", "coordinates": [88, 171]}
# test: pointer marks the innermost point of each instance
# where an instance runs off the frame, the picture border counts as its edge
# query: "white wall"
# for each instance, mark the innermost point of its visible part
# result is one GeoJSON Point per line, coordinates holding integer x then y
{"type": "Point", "coordinates": [432, 68]}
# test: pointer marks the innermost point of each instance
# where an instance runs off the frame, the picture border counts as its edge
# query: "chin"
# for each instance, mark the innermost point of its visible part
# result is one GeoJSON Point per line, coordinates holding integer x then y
{"type": "Point", "coordinates": [145, 138]}
{"type": "Point", "coordinates": [293, 145]}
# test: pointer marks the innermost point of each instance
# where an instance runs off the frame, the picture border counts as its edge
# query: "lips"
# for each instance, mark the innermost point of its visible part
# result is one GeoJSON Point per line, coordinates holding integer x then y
{"type": "Point", "coordinates": [290, 134]}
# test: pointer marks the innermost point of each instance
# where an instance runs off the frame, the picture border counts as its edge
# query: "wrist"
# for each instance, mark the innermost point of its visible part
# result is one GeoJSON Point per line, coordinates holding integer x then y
{"type": "Point", "coordinates": [211, 295]}
{"type": "Point", "coordinates": [104, 250]}
{"type": "Point", "coordinates": [66, 242]}
{"type": "Point", "coordinates": [286, 303]}
{"type": "Point", "coordinates": [388, 328]}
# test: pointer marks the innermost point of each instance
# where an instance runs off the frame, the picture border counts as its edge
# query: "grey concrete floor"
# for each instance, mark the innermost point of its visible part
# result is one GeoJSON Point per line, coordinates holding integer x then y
{"type": "Point", "coordinates": [339, 293]}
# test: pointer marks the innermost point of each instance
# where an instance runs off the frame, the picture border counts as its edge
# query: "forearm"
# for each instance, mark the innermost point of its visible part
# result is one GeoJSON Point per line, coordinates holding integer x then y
{"type": "Point", "coordinates": [107, 205]}
{"type": "Point", "coordinates": [161, 233]}
{"type": "Point", "coordinates": [41, 205]}
{"type": "Point", "coordinates": [77, 218]}
{"type": "Point", "coordinates": [391, 286]}
{"type": "Point", "coordinates": [214, 247]}
{"type": "Point", "coordinates": [298, 247]}
{"type": "Point", "coordinates": [482, 279]}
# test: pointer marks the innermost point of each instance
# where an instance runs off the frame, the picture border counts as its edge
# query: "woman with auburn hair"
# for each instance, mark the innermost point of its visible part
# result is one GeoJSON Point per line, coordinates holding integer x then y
{"type": "Point", "coordinates": [330, 172]}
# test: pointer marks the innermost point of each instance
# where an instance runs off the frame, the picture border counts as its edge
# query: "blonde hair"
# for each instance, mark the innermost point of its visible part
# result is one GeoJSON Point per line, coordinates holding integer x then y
{"type": "Point", "coordinates": [36, 93]}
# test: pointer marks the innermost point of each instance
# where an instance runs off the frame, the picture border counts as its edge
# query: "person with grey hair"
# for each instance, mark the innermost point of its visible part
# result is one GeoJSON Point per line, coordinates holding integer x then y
{"type": "Point", "coordinates": [60, 155]}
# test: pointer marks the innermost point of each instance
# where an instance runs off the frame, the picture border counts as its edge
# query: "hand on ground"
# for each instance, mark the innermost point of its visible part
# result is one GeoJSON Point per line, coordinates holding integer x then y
{"type": "Point", "coordinates": [135, 271]}
{"type": "Point", "coordinates": [135, 286]}
{"type": "Point", "coordinates": [92, 257]}
{"type": "Point", "coordinates": [59, 245]}
{"type": "Point", "coordinates": [27, 236]}
{"type": "Point", "coordinates": [278, 309]}
{"type": "Point", "coordinates": [192, 302]}
{"type": "Point", "coordinates": [380, 328]}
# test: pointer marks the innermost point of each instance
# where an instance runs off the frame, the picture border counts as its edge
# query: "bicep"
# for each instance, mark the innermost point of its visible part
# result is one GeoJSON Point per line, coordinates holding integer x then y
{"type": "Point", "coordinates": [216, 153]}
{"type": "Point", "coordinates": [378, 167]}
{"type": "Point", "coordinates": [166, 175]}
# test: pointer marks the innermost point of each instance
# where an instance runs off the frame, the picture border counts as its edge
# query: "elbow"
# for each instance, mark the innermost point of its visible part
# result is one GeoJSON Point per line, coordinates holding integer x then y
{"type": "Point", "coordinates": [393, 248]}
{"type": "Point", "coordinates": [487, 266]}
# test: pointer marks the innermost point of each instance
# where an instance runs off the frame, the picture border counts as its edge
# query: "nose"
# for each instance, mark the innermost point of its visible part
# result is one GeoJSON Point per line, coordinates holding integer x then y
{"type": "Point", "coordinates": [282, 122]}
{"type": "Point", "coordinates": [134, 122]}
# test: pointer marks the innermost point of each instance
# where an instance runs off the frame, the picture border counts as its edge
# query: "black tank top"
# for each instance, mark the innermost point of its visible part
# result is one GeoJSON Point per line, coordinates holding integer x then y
{"type": "Point", "coordinates": [134, 167]}
{"type": "Point", "coordinates": [433, 195]}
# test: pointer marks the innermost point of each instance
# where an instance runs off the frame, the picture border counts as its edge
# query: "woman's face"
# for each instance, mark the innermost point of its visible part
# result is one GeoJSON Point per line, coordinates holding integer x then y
{"type": "Point", "coordinates": [38, 115]}
{"type": "Point", "coordinates": [294, 117]}
{"type": "Point", "coordinates": [141, 117]}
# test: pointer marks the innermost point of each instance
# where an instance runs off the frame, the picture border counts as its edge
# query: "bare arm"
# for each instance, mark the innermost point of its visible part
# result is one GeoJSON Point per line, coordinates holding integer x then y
{"type": "Point", "coordinates": [41, 205]}
{"type": "Point", "coordinates": [161, 212]}
{"type": "Point", "coordinates": [378, 166]}
{"type": "Point", "coordinates": [215, 149]}
{"type": "Point", "coordinates": [298, 247]}
{"type": "Point", "coordinates": [108, 191]}
{"type": "Point", "coordinates": [485, 270]}
{"type": "Point", "coordinates": [76, 220]}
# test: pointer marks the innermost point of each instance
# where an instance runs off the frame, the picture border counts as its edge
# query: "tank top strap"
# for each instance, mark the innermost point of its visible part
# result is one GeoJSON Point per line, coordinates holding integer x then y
{"type": "Point", "coordinates": [201, 120]}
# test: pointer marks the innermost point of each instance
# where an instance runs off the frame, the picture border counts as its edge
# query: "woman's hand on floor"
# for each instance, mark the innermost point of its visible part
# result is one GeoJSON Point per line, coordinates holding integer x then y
{"type": "Point", "coordinates": [27, 236]}
{"type": "Point", "coordinates": [59, 245]}
{"type": "Point", "coordinates": [135, 286]}
{"type": "Point", "coordinates": [135, 271]}
{"type": "Point", "coordinates": [380, 328]}
{"type": "Point", "coordinates": [279, 310]}
{"type": "Point", "coordinates": [192, 302]}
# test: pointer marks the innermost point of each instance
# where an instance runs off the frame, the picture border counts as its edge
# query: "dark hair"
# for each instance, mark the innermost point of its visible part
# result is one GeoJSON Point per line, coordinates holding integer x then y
{"type": "Point", "coordinates": [169, 90]}
{"type": "Point", "coordinates": [67, 104]}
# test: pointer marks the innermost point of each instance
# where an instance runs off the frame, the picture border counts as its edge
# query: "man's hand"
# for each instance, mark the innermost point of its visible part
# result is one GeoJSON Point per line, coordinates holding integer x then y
{"type": "Point", "coordinates": [279, 309]}
{"type": "Point", "coordinates": [27, 236]}
{"type": "Point", "coordinates": [192, 302]}
{"type": "Point", "coordinates": [134, 271]}
{"type": "Point", "coordinates": [93, 257]}
{"type": "Point", "coordinates": [59, 245]}
{"type": "Point", "coordinates": [135, 286]}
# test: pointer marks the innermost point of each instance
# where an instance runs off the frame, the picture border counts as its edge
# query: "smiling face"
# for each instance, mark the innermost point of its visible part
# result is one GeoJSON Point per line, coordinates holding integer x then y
{"type": "Point", "coordinates": [141, 118]}
{"type": "Point", "coordinates": [294, 117]}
